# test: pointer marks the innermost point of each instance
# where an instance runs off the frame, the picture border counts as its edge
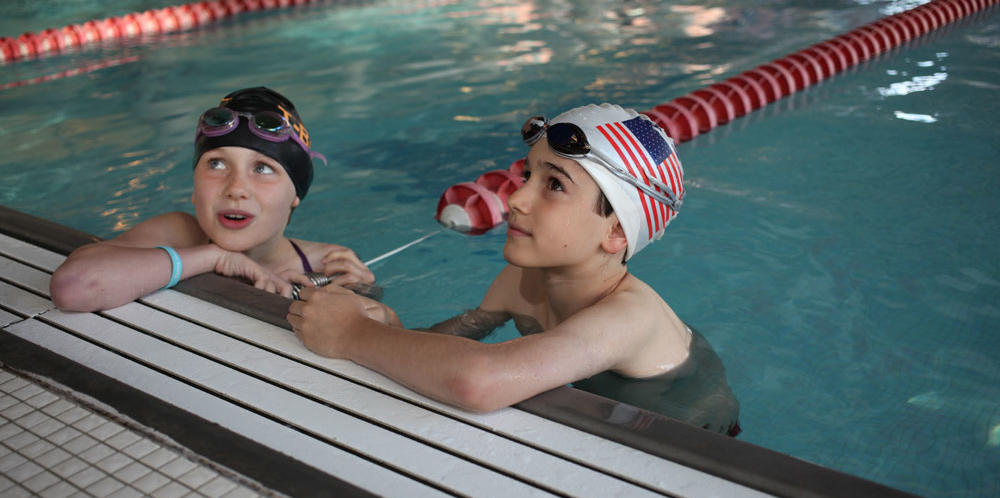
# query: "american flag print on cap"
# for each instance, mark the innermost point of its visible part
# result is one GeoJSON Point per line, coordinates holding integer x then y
{"type": "Point", "coordinates": [631, 143]}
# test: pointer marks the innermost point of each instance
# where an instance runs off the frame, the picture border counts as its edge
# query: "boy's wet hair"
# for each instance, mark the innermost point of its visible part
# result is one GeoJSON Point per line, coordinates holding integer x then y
{"type": "Point", "coordinates": [605, 209]}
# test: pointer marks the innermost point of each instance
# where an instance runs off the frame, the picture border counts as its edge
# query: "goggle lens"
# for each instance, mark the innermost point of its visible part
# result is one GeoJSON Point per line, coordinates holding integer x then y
{"type": "Point", "coordinates": [218, 117]}
{"type": "Point", "coordinates": [532, 129]}
{"type": "Point", "coordinates": [565, 138]}
{"type": "Point", "coordinates": [568, 139]}
{"type": "Point", "coordinates": [270, 122]}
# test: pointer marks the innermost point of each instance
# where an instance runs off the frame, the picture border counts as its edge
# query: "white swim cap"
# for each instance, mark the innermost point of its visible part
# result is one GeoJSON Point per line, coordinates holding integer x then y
{"type": "Point", "coordinates": [641, 152]}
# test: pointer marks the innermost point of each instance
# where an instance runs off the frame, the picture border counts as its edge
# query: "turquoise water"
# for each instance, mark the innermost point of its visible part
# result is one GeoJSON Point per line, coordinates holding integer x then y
{"type": "Point", "coordinates": [838, 248]}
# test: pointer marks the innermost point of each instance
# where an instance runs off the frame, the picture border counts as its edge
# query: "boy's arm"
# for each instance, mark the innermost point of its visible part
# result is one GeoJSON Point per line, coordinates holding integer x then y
{"type": "Point", "coordinates": [472, 324]}
{"type": "Point", "coordinates": [455, 370]}
{"type": "Point", "coordinates": [491, 313]}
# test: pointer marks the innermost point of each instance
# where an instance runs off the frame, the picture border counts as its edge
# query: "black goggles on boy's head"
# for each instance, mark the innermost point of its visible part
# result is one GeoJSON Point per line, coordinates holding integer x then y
{"type": "Point", "coordinates": [568, 140]}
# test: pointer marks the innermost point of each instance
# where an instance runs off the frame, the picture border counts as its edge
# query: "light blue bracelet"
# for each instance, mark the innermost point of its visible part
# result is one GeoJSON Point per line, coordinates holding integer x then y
{"type": "Point", "coordinates": [175, 266]}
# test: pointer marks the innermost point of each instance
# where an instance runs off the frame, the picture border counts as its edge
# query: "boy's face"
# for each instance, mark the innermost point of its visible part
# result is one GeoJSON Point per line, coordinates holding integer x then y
{"type": "Point", "coordinates": [553, 220]}
{"type": "Point", "coordinates": [242, 198]}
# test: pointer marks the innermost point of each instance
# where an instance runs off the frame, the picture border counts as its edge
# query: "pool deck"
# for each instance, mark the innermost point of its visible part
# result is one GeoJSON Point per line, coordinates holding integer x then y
{"type": "Point", "coordinates": [210, 372]}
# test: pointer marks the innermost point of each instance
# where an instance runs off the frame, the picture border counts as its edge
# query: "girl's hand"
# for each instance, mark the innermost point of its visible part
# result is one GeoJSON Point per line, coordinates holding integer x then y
{"type": "Point", "coordinates": [234, 264]}
{"type": "Point", "coordinates": [343, 261]}
{"type": "Point", "coordinates": [294, 276]}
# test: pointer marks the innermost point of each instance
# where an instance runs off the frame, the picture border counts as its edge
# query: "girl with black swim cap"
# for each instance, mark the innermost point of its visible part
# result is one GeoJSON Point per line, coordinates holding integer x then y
{"type": "Point", "coordinates": [253, 164]}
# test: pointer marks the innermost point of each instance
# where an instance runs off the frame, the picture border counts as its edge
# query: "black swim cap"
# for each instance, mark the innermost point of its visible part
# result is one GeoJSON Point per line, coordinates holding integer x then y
{"type": "Point", "coordinates": [289, 153]}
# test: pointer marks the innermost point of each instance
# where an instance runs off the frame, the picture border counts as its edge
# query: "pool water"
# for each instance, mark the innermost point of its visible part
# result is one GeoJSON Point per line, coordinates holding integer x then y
{"type": "Point", "coordinates": [838, 248]}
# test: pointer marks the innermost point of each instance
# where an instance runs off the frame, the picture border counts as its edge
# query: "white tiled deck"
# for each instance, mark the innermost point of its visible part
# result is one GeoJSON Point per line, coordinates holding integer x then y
{"type": "Point", "coordinates": [54, 444]}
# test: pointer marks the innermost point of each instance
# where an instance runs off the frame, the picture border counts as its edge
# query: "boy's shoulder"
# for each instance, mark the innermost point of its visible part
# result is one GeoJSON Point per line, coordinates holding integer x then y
{"type": "Point", "coordinates": [634, 300]}
{"type": "Point", "coordinates": [634, 288]}
{"type": "Point", "coordinates": [512, 291]}
{"type": "Point", "coordinates": [647, 332]}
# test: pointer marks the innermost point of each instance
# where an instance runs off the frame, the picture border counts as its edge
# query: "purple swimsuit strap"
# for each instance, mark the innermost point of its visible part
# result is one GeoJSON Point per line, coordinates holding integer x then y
{"type": "Point", "coordinates": [305, 261]}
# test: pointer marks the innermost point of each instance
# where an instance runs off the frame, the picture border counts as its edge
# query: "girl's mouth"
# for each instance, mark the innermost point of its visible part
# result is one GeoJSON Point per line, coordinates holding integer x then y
{"type": "Point", "coordinates": [235, 219]}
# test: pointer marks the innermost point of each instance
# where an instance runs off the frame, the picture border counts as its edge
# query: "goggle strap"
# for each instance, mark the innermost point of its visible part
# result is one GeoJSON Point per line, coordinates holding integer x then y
{"type": "Point", "coordinates": [666, 197]}
{"type": "Point", "coordinates": [315, 155]}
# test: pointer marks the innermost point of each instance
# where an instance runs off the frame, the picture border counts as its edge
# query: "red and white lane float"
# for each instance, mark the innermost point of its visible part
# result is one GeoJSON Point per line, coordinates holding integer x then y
{"type": "Point", "coordinates": [151, 22]}
{"type": "Point", "coordinates": [478, 206]}
{"type": "Point", "coordinates": [472, 206]}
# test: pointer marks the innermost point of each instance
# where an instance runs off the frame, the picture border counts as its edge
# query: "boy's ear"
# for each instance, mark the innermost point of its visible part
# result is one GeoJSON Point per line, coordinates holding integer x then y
{"type": "Point", "coordinates": [615, 240]}
{"type": "Point", "coordinates": [296, 202]}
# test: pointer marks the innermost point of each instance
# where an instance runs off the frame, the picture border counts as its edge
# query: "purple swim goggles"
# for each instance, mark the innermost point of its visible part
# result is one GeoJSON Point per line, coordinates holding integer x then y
{"type": "Point", "coordinates": [267, 125]}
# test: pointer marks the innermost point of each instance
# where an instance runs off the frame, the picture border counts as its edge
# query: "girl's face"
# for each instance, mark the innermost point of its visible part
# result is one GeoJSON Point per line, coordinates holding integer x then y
{"type": "Point", "coordinates": [242, 198]}
{"type": "Point", "coordinates": [553, 220]}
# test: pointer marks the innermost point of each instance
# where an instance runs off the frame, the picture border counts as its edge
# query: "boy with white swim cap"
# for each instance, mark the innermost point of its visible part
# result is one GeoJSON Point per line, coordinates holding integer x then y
{"type": "Point", "coordinates": [601, 183]}
{"type": "Point", "coordinates": [632, 160]}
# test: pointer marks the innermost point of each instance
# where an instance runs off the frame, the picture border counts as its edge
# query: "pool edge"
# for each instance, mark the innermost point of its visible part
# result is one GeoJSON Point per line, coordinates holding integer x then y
{"type": "Point", "coordinates": [731, 459]}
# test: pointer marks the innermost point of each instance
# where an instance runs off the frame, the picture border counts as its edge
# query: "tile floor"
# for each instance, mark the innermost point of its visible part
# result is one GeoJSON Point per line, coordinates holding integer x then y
{"type": "Point", "coordinates": [53, 444]}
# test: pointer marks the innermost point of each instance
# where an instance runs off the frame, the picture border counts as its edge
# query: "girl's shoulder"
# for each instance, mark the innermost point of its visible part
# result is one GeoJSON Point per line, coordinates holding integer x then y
{"type": "Point", "coordinates": [175, 228]}
{"type": "Point", "coordinates": [312, 246]}
{"type": "Point", "coordinates": [316, 252]}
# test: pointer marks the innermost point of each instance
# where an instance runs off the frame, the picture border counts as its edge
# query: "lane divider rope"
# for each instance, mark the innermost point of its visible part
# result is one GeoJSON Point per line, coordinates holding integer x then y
{"type": "Point", "coordinates": [118, 28]}
{"type": "Point", "coordinates": [475, 207]}
{"type": "Point", "coordinates": [687, 116]}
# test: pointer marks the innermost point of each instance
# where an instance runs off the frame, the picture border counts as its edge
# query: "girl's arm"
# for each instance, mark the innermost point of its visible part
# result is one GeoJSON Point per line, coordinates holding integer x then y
{"type": "Point", "coordinates": [344, 265]}
{"type": "Point", "coordinates": [113, 272]}
{"type": "Point", "coordinates": [110, 273]}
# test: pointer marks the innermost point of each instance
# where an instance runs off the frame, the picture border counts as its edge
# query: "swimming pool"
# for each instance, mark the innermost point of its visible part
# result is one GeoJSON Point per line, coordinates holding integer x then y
{"type": "Point", "coordinates": [838, 248]}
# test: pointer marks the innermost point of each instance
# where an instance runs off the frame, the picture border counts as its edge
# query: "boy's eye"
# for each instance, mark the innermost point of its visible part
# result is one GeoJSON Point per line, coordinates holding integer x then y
{"type": "Point", "coordinates": [555, 184]}
{"type": "Point", "coordinates": [216, 164]}
{"type": "Point", "coordinates": [264, 169]}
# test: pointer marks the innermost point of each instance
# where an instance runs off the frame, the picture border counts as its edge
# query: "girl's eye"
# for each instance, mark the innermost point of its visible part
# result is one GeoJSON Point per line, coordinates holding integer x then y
{"type": "Point", "coordinates": [264, 169]}
{"type": "Point", "coordinates": [525, 175]}
{"type": "Point", "coordinates": [555, 184]}
{"type": "Point", "coordinates": [216, 164]}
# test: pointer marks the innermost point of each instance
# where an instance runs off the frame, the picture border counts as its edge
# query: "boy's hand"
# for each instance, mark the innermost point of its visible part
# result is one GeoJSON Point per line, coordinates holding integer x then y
{"type": "Point", "coordinates": [324, 318]}
{"type": "Point", "coordinates": [343, 261]}
{"type": "Point", "coordinates": [234, 264]}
